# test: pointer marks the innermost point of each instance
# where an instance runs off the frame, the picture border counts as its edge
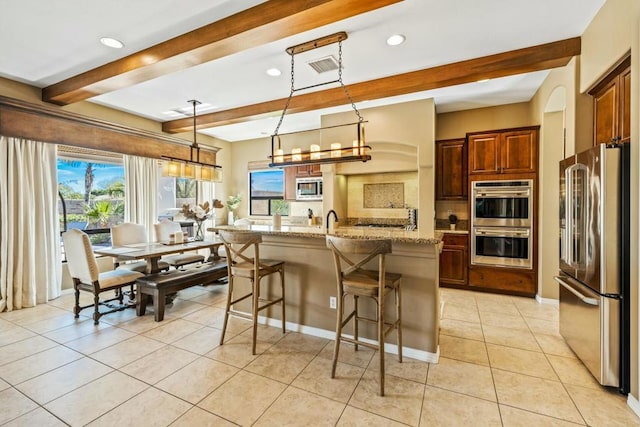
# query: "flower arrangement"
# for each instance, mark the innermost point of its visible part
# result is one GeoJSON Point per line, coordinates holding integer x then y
{"type": "Point", "coordinates": [202, 211]}
{"type": "Point", "coordinates": [233, 202]}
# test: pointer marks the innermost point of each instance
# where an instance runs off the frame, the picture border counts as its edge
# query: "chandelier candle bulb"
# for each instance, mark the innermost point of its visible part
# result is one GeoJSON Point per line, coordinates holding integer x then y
{"type": "Point", "coordinates": [315, 155]}
{"type": "Point", "coordinates": [336, 150]}
{"type": "Point", "coordinates": [356, 147]}
{"type": "Point", "coordinates": [296, 154]}
{"type": "Point", "coordinates": [278, 156]}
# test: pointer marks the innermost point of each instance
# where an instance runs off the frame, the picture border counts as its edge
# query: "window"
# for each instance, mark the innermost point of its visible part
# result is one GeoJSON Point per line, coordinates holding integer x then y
{"type": "Point", "coordinates": [266, 192]}
{"type": "Point", "coordinates": [174, 193]}
{"type": "Point", "coordinates": [91, 193]}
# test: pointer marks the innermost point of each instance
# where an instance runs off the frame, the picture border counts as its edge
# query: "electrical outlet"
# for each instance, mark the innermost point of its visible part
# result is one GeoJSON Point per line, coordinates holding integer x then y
{"type": "Point", "coordinates": [333, 302]}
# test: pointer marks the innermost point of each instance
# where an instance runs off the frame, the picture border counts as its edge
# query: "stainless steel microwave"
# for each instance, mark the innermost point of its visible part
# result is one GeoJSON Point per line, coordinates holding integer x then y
{"type": "Point", "coordinates": [309, 188]}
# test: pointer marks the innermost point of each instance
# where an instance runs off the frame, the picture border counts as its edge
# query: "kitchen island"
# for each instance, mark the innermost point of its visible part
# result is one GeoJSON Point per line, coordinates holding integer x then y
{"type": "Point", "coordinates": [310, 282]}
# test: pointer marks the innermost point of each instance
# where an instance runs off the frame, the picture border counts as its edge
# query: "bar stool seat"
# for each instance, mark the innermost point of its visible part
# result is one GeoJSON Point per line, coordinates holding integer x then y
{"type": "Point", "coordinates": [239, 264]}
{"type": "Point", "coordinates": [350, 256]}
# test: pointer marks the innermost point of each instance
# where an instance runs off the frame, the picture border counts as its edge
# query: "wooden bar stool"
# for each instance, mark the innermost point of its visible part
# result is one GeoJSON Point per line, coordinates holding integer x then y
{"type": "Point", "coordinates": [239, 264]}
{"type": "Point", "coordinates": [350, 256]}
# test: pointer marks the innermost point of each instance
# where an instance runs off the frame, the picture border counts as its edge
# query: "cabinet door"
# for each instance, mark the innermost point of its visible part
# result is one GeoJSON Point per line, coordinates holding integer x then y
{"type": "Point", "coordinates": [518, 151]}
{"type": "Point", "coordinates": [605, 104]}
{"type": "Point", "coordinates": [302, 171]}
{"type": "Point", "coordinates": [314, 170]}
{"type": "Point", "coordinates": [625, 106]}
{"type": "Point", "coordinates": [484, 153]}
{"type": "Point", "coordinates": [290, 183]}
{"type": "Point", "coordinates": [451, 170]}
{"type": "Point", "coordinates": [453, 260]}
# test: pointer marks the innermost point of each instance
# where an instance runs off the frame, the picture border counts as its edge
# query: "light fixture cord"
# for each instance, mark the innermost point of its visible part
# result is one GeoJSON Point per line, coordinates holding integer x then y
{"type": "Point", "coordinates": [286, 105]}
{"type": "Point", "coordinates": [346, 91]}
{"type": "Point", "coordinates": [344, 88]}
{"type": "Point", "coordinates": [194, 102]}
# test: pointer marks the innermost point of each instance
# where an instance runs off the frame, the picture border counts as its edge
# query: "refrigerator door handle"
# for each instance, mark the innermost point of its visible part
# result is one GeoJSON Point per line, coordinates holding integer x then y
{"type": "Point", "coordinates": [584, 299]}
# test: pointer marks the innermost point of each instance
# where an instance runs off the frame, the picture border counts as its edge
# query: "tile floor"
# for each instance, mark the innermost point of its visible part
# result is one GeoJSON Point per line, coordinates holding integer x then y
{"type": "Point", "coordinates": [502, 363]}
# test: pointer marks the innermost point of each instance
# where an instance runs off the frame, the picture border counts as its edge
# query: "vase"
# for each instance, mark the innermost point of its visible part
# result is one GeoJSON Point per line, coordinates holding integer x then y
{"type": "Point", "coordinates": [277, 221]}
{"type": "Point", "coordinates": [199, 230]}
{"type": "Point", "coordinates": [230, 218]}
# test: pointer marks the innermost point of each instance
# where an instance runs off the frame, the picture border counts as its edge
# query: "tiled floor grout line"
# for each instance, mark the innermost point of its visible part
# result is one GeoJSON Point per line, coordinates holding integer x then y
{"type": "Point", "coordinates": [182, 316]}
{"type": "Point", "coordinates": [482, 325]}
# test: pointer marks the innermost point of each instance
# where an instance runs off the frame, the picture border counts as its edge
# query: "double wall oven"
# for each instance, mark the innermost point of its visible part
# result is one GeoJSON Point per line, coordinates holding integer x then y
{"type": "Point", "coordinates": [502, 223]}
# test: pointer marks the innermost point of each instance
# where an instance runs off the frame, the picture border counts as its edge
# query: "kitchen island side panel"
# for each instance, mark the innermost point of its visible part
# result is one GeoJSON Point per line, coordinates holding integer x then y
{"type": "Point", "coordinates": [310, 281]}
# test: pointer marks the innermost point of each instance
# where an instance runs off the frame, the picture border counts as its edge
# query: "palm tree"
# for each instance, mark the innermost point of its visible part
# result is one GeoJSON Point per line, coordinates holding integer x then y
{"type": "Point", "coordinates": [185, 188]}
{"type": "Point", "coordinates": [88, 175]}
{"type": "Point", "coordinates": [102, 211]}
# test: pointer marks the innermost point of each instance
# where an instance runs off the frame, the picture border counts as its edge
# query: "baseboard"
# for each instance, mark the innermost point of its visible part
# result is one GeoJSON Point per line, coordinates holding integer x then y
{"type": "Point", "coordinates": [549, 301]}
{"type": "Point", "coordinates": [413, 353]}
{"type": "Point", "coordinates": [634, 404]}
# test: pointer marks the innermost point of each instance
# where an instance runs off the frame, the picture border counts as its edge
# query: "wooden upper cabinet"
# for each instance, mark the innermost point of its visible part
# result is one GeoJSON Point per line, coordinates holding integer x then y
{"type": "Point", "coordinates": [612, 105]}
{"type": "Point", "coordinates": [625, 106]}
{"type": "Point", "coordinates": [451, 169]}
{"type": "Point", "coordinates": [507, 151]}
{"type": "Point", "coordinates": [307, 170]}
{"type": "Point", "coordinates": [484, 153]}
{"type": "Point", "coordinates": [519, 151]}
{"type": "Point", "coordinates": [605, 104]}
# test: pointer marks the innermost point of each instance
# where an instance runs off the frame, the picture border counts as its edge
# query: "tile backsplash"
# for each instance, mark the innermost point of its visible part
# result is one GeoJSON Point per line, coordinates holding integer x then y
{"type": "Point", "coordinates": [378, 187]}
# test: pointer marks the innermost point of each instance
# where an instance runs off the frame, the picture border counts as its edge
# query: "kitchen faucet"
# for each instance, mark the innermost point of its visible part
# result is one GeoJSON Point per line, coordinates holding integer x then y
{"type": "Point", "coordinates": [335, 215]}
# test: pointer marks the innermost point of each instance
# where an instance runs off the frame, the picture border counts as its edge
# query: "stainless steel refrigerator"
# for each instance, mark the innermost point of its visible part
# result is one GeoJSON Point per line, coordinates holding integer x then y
{"type": "Point", "coordinates": [594, 261]}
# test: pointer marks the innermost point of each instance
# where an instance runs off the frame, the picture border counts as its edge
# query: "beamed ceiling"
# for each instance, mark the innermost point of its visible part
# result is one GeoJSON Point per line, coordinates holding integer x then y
{"type": "Point", "coordinates": [217, 52]}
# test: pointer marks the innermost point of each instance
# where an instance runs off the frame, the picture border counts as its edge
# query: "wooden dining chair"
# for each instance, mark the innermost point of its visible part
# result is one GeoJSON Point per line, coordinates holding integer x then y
{"type": "Point", "coordinates": [350, 257]}
{"type": "Point", "coordinates": [83, 269]}
{"type": "Point", "coordinates": [240, 264]}
{"type": "Point", "coordinates": [163, 230]}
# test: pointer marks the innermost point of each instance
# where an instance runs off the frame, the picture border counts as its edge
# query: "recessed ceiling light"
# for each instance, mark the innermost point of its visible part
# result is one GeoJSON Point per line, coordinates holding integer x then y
{"type": "Point", "coordinates": [396, 39]}
{"type": "Point", "coordinates": [273, 72]}
{"type": "Point", "coordinates": [483, 80]}
{"type": "Point", "coordinates": [111, 42]}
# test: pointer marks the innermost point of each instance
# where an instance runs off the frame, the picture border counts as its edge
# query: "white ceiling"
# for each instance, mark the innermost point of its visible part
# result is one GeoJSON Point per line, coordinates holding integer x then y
{"type": "Point", "coordinates": [44, 42]}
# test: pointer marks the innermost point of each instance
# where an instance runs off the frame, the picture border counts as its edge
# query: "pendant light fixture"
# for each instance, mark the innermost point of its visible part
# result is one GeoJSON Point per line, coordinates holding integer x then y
{"type": "Point", "coordinates": [337, 152]}
{"type": "Point", "coordinates": [192, 168]}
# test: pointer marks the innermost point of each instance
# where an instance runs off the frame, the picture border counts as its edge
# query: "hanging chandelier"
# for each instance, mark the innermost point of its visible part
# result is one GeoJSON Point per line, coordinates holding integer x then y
{"type": "Point", "coordinates": [334, 151]}
{"type": "Point", "coordinates": [192, 168]}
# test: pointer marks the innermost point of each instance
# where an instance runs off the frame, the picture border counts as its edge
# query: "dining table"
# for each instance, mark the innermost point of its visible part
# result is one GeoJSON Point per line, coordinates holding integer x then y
{"type": "Point", "coordinates": [151, 252]}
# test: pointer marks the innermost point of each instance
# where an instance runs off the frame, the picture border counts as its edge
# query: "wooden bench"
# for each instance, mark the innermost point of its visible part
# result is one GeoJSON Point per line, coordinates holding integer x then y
{"type": "Point", "coordinates": [160, 284]}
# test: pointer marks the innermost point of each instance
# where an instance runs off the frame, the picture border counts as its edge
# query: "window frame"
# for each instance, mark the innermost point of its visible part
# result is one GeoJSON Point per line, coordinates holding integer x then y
{"type": "Point", "coordinates": [269, 199]}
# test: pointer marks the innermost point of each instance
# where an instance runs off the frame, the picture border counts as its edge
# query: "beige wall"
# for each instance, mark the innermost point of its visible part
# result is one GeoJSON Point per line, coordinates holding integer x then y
{"type": "Point", "coordinates": [548, 203]}
{"type": "Point", "coordinates": [401, 137]}
{"type": "Point", "coordinates": [243, 152]}
{"type": "Point", "coordinates": [607, 39]}
{"type": "Point", "coordinates": [458, 123]}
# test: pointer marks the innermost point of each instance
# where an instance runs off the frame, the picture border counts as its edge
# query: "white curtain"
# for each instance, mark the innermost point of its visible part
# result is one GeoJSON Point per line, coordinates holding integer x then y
{"type": "Point", "coordinates": [30, 258]}
{"type": "Point", "coordinates": [206, 193]}
{"type": "Point", "coordinates": [141, 191]}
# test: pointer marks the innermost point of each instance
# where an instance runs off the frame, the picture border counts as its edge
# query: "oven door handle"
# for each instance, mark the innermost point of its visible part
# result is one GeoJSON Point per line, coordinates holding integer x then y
{"type": "Point", "coordinates": [503, 194]}
{"type": "Point", "coordinates": [502, 233]}
{"type": "Point", "coordinates": [584, 299]}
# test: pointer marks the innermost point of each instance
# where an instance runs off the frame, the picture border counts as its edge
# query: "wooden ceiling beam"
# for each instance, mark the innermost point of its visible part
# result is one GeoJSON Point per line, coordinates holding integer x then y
{"type": "Point", "coordinates": [535, 58]}
{"type": "Point", "coordinates": [265, 23]}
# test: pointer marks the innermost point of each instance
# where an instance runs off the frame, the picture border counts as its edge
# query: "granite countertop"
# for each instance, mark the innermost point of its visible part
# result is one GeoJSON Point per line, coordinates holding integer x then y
{"type": "Point", "coordinates": [396, 235]}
